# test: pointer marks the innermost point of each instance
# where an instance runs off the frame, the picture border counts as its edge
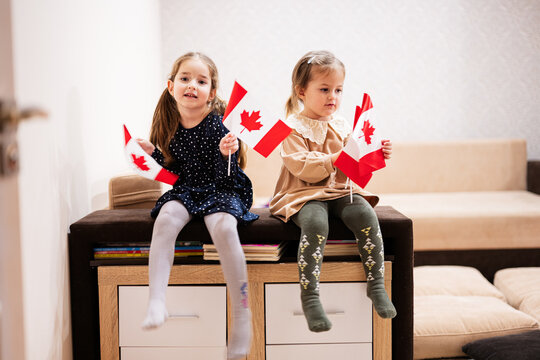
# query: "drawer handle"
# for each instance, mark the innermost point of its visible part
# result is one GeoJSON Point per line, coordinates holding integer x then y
{"type": "Point", "coordinates": [187, 316]}
{"type": "Point", "coordinates": [337, 312]}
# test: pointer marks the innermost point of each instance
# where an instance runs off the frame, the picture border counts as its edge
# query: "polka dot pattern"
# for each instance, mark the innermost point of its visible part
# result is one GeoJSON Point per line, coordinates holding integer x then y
{"type": "Point", "coordinates": [203, 185]}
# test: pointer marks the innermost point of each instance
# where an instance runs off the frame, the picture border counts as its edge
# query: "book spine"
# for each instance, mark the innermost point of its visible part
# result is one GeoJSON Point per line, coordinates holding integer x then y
{"type": "Point", "coordinates": [143, 249]}
{"type": "Point", "coordinates": [122, 252]}
{"type": "Point", "coordinates": [104, 256]}
{"type": "Point", "coordinates": [144, 255]}
{"type": "Point", "coordinates": [145, 244]}
{"type": "Point", "coordinates": [122, 248]}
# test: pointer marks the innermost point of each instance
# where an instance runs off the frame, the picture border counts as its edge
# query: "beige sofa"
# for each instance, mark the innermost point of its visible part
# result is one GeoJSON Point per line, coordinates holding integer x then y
{"type": "Point", "coordinates": [451, 315]}
{"type": "Point", "coordinates": [461, 195]}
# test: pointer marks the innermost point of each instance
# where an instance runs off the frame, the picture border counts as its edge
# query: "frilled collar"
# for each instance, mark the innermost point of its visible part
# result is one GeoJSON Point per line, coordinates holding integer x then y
{"type": "Point", "coordinates": [315, 130]}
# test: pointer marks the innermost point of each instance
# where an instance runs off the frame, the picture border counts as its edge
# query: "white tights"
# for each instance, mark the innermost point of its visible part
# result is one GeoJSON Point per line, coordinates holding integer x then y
{"type": "Point", "coordinates": [172, 217]}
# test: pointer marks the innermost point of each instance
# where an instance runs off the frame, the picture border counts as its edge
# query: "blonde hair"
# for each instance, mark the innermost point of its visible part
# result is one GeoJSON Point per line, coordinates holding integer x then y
{"type": "Point", "coordinates": [167, 118]}
{"type": "Point", "coordinates": [313, 62]}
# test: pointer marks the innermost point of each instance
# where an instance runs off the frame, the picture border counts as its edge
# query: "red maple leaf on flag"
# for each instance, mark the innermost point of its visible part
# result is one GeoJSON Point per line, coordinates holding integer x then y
{"type": "Point", "coordinates": [140, 162]}
{"type": "Point", "coordinates": [250, 121]}
{"type": "Point", "coordinates": [368, 131]}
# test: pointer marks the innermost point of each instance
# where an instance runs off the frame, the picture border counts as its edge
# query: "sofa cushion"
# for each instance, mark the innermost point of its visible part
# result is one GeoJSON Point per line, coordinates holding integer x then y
{"type": "Point", "coordinates": [531, 305]}
{"type": "Point", "coordinates": [452, 280]}
{"type": "Point", "coordinates": [444, 323]}
{"type": "Point", "coordinates": [525, 346]}
{"type": "Point", "coordinates": [133, 192]}
{"type": "Point", "coordinates": [453, 166]}
{"type": "Point", "coordinates": [470, 220]}
{"type": "Point", "coordinates": [521, 287]}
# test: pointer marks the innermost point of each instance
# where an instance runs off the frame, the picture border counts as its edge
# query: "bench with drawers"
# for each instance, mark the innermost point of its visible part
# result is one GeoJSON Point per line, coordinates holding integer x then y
{"type": "Point", "coordinates": [108, 298]}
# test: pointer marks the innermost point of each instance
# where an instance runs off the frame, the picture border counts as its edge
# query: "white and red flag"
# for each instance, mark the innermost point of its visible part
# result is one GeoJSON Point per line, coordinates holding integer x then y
{"type": "Point", "coordinates": [363, 153]}
{"type": "Point", "coordinates": [258, 128]}
{"type": "Point", "coordinates": [144, 164]}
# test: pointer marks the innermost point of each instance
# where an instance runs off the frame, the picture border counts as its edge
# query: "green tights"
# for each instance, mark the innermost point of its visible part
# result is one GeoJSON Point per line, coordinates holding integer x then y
{"type": "Point", "coordinates": [361, 219]}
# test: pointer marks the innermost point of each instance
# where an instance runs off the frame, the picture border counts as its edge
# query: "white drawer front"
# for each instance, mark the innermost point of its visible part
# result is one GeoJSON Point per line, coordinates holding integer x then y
{"type": "Point", "coordinates": [200, 320]}
{"type": "Point", "coordinates": [346, 304]}
{"type": "Point", "coordinates": [157, 353]}
{"type": "Point", "coordinates": [319, 352]}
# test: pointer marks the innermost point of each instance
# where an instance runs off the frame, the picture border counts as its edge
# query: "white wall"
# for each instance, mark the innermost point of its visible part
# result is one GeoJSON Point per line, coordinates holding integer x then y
{"type": "Point", "coordinates": [92, 65]}
{"type": "Point", "coordinates": [453, 69]}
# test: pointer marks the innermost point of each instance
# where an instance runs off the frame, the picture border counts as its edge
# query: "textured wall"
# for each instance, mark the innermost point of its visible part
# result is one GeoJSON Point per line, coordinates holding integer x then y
{"type": "Point", "coordinates": [435, 70]}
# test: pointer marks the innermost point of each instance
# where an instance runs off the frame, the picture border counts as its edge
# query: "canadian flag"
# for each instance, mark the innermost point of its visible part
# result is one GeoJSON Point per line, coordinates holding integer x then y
{"type": "Point", "coordinates": [363, 153]}
{"type": "Point", "coordinates": [144, 164]}
{"type": "Point", "coordinates": [245, 118]}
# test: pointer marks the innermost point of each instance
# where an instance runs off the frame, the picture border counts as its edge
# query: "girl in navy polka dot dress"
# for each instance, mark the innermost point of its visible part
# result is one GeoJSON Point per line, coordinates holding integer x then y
{"type": "Point", "coordinates": [189, 139]}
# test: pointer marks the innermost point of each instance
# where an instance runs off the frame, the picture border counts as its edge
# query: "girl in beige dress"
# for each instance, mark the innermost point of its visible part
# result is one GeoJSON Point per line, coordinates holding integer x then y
{"type": "Point", "coordinates": [310, 188]}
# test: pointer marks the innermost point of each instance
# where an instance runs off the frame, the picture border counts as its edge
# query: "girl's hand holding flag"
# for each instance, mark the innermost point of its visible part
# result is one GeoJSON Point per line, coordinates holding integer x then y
{"type": "Point", "coordinates": [146, 145]}
{"type": "Point", "coordinates": [387, 149]}
{"type": "Point", "coordinates": [227, 146]}
{"type": "Point", "coordinates": [138, 153]}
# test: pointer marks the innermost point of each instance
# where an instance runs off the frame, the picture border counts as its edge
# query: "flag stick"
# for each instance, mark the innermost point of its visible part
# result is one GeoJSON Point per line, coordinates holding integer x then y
{"type": "Point", "coordinates": [349, 185]}
{"type": "Point", "coordinates": [229, 166]}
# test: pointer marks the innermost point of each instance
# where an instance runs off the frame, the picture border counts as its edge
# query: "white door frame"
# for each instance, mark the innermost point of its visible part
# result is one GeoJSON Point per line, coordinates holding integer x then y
{"type": "Point", "coordinates": [12, 339]}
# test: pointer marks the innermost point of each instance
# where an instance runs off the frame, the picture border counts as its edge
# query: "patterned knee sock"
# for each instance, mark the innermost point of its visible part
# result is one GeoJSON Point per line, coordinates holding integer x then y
{"type": "Point", "coordinates": [310, 256]}
{"type": "Point", "coordinates": [370, 246]}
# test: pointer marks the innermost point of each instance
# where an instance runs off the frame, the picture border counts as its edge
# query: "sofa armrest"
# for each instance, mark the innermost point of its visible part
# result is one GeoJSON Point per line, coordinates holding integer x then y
{"type": "Point", "coordinates": [533, 176]}
{"type": "Point", "coordinates": [133, 192]}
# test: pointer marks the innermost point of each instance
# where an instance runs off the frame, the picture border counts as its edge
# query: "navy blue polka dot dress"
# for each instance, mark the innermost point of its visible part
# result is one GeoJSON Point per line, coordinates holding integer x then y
{"type": "Point", "coordinates": [203, 185]}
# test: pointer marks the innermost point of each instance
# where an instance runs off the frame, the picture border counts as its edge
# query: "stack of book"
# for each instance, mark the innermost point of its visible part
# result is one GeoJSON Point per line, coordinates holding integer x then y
{"type": "Point", "coordinates": [253, 252]}
{"type": "Point", "coordinates": [340, 248]}
{"type": "Point", "coordinates": [142, 250]}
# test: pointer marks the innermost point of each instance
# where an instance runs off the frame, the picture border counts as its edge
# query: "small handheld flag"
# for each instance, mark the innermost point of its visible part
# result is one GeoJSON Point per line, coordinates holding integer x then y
{"type": "Point", "coordinates": [258, 129]}
{"type": "Point", "coordinates": [144, 164]}
{"type": "Point", "coordinates": [363, 153]}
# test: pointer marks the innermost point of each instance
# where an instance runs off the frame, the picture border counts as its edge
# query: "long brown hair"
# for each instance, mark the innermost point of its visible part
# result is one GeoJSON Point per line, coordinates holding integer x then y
{"type": "Point", "coordinates": [314, 61]}
{"type": "Point", "coordinates": [167, 118]}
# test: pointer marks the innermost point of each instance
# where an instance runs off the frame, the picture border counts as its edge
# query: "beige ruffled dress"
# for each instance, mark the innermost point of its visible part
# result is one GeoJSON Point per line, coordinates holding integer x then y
{"type": "Point", "coordinates": [307, 172]}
